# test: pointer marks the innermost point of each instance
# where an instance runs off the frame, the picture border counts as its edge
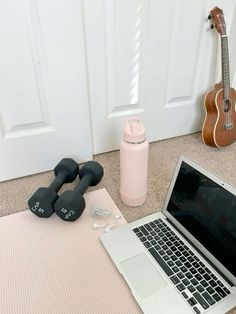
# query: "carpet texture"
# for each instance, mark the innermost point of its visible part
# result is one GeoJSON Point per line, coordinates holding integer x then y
{"type": "Point", "coordinates": [163, 156]}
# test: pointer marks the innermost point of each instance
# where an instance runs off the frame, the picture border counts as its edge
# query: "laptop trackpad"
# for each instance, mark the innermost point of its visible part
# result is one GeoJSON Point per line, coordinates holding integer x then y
{"type": "Point", "coordinates": [143, 277]}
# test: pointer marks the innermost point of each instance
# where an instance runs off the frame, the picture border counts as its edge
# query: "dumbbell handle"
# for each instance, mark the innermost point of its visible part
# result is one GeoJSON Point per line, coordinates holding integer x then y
{"type": "Point", "coordinates": [84, 183]}
{"type": "Point", "coordinates": [58, 181]}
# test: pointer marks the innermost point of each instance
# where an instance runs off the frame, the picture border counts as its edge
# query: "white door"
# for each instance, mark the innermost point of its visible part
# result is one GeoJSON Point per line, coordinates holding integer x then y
{"type": "Point", "coordinates": [44, 112]}
{"type": "Point", "coordinates": [151, 59]}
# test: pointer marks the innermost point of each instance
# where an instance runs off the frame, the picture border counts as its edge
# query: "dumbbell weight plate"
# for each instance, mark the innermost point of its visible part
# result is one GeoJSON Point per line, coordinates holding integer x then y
{"type": "Point", "coordinates": [69, 206]}
{"type": "Point", "coordinates": [40, 202]}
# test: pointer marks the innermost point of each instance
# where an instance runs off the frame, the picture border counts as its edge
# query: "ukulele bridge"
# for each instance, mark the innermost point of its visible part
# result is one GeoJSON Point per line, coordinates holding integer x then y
{"type": "Point", "coordinates": [228, 126]}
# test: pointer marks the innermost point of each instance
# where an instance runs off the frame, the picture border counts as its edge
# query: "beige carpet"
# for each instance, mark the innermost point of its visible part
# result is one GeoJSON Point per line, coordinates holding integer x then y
{"type": "Point", "coordinates": [162, 160]}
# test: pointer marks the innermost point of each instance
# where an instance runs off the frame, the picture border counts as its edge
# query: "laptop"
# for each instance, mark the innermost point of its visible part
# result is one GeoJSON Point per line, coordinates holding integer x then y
{"type": "Point", "coordinates": [183, 258]}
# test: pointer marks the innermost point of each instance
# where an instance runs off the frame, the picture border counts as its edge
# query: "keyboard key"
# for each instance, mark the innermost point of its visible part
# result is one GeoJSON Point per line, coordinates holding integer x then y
{"type": "Point", "coordinates": [208, 298]}
{"type": "Point", "coordinates": [139, 234]}
{"type": "Point", "coordinates": [197, 311]}
{"type": "Point", "coordinates": [210, 290]}
{"type": "Point", "coordinates": [201, 263]}
{"type": "Point", "coordinates": [204, 283]}
{"type": "Point", "coordinates": [216, 297]}
{"type": "Point", "coordinates": [178, 253]}
{"type": "Point", "coordinates": [157, 247]}
{"type": "Point", "coordinates": [220, 283]}
{"type": "Point", "coordinates": [153, 233]}
{"type": "Point", "coordinates": [161, 252]}
{"type": "Point", "coordinates": [200, 288]}
{"type": "Point", "coordinates": [186, 282]}
{"type": "Point", "coordinates": [169, 252]}
{"type": "Point", "coordinates": [191, 288]}
{"type": "Point", "coordinates": [184, 294]}
{"type": "Point", "coordinates": [196, 265]}
{"type": "Point", "coordinates": [165, 247]}
{"type": "Point", "coordinates": [147, 244]}
{"type": "Point", "coordinates": [190, 259]}
{"type": "Point", "coordinates": [183, 259]}
{"type": "Point", "coordinates": [207, 270]}
{"type": "Point", "coordinates": [153, 242]}
{"type": "Point", "coordinates": [181, 287]}
{"type": "Point", "coordinates": [143, 239]}
{"type": "Point", "coordinates": [201, 270]}
{"type": "Point", "coordinates": [152, 224]}
{"type": "Point", "coordinates": [207, 277]}
{"type": "Point", "coordinates": [170, 263]}
{"type": "Point", "coordinates": [174, 257]}
{"type": "Point", "coordinates": [148, 227]}
{"type": "Point", "coordinates": [166, 258]}
{"type": "Point", "coordinates": [200, 299]}
{"type": "Point", "coordinates": [175, 279]}
{"type": "Point", "coordinates": [185, 253]}
{"type": "Point", "coordinates": [136, 230]}
{"type": "Point", "coordinates": [178, 263]}
{"type": "Point", "coordinates": [192, 301]}
{"type": "Point", "coordinates": [160, 261]}
{"type": "Point", "coordinates": [176, 243]}
{"type": "Point", "coordinates": [198, 277]}
{"type": "Point", "coordinates": [183, 269]}
{"type": "Point", "coordinates": [173, 248]}
{"type": "Point", "coordinates": [193, 270]}
{"type": "Point", "coordinates": [144, 231]}
{"type": "Point", "coordinates": [175, 269]}
{"type": "Point", "coordinates": [149, 237]}
{"type": "Point", "coordinates": [180, 275]}
{"type": "Point", "coordinates": [194, 281]}
{"type": "Point", "coordinates": [220, 292]}
{"type": "Point", "coordinates": [212, 283]}
{"type": "Point", "coordinates": [189, 275]}
{"type": "Point", "coordinates": [226, 290]}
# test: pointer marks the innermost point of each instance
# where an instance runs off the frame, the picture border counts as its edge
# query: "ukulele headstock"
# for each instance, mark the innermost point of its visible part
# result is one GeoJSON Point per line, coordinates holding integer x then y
{"type": "Point", "coordinates": [218, 20]}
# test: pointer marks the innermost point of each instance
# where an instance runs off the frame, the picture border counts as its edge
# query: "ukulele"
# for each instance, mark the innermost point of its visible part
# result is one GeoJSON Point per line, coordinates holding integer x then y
{"type": "Point", "coordinates": [219, 127]}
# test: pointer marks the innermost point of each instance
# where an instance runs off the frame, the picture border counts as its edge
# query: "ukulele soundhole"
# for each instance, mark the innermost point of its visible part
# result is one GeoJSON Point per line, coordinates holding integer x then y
{"type": "Point", "coordinates": [227, 105]}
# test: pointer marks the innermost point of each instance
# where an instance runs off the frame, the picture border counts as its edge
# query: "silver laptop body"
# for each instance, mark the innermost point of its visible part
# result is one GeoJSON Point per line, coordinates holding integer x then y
{"type": "Point", "coordinates": [193, 270]}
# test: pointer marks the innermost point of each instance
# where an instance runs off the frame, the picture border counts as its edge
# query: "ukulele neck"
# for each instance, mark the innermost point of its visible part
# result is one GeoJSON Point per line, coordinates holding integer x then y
{"type": "Point", "coordinates": [225, 66]}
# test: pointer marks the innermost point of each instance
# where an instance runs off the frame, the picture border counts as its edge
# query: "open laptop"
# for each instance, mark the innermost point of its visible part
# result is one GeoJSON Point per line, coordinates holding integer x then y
{"type": "Point", "coordinates": [182, 259]}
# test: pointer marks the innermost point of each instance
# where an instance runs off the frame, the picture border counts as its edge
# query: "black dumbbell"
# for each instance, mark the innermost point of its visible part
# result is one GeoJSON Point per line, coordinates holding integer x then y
{"type": "Point", "coordinates": [70, 205]}
{"type": "Point", "coordinates": [41, 202]}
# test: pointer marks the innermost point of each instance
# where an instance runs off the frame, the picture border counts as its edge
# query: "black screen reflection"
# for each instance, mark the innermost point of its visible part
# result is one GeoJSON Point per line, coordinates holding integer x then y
{"type": "Point", "coordinates": [208, 212]}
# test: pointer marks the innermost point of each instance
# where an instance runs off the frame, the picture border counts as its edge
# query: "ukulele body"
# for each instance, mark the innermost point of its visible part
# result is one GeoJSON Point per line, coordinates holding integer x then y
{"type": "Point", "coordinates": [219, 127]}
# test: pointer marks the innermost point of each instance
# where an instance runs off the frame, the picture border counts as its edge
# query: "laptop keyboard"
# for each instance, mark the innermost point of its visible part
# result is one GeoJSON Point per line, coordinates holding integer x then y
{"type": "Point", "coordinates": [197, 284]}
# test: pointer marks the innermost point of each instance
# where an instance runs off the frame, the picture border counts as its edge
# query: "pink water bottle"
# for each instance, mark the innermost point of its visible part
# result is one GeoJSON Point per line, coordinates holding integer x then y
{"type": "Point", "coordinates": [133, 163]}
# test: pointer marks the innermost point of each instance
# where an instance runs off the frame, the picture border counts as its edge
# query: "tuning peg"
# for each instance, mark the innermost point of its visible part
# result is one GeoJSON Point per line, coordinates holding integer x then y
{"type": "Point", "coordinates": [212, 26]}
{"type": "Point", "coordinates": [209, 17]}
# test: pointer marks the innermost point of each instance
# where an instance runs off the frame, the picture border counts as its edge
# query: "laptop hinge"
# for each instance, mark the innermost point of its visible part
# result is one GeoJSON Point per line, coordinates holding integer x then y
{"type": "Point", "coordinates": [207, 259]}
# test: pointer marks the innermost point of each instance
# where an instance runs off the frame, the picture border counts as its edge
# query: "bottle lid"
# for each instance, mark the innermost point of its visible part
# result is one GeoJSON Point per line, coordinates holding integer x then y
{"type": "Point", "coordinates": [134, 131]}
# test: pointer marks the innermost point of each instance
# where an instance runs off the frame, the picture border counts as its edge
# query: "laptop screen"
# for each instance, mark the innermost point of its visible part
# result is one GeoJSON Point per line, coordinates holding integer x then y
{"type": "Point", "coordinates": [208, 212]}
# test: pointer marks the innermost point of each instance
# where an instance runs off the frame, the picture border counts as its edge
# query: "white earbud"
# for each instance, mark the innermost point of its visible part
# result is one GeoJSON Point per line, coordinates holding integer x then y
{"type": "Point", "coordinates": [97, 226]}
{"type": "Point", "coordinates": [108, 228]}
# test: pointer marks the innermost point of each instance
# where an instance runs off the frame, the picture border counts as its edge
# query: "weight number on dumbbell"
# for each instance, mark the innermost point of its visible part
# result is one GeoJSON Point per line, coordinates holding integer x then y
{"type": "Point", "coordinates": [36, 207]}
{"type": "Point", "coordinates": [67, 216]}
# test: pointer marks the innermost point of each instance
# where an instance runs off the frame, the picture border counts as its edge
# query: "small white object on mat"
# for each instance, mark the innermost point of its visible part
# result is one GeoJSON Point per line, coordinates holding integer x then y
{"type": "Point", "coordinates": [53, 266]}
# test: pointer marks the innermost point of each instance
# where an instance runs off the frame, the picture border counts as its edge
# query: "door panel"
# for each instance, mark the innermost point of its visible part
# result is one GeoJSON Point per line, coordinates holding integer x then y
{"type": "Point", "coordinates": [150, 59]}
{"type": "Point", "coordinates": [44, 114]}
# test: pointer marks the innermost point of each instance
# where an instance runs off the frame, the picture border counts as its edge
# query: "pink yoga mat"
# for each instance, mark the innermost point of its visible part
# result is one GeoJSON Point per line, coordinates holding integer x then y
{"type": "Point", "coordinates": [52, 266]}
